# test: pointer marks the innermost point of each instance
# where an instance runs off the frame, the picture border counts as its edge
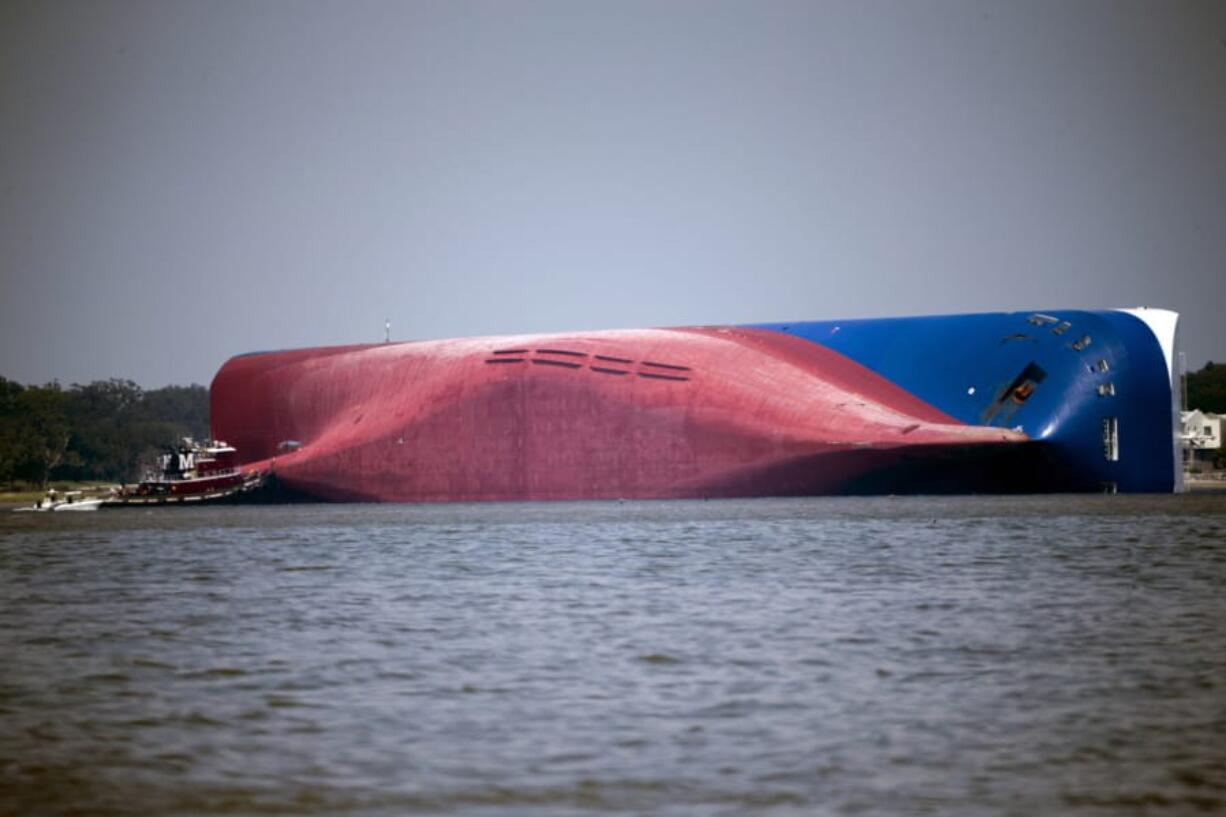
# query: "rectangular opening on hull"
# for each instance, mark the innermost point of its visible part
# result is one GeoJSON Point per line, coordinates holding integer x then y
{"type": "Point", "coordinates": [666, 366]}
{"type": "Point", "coordinates": [606, 370]}
{"type": "Point", "coordinates": [1011, 397]}
{"type": "Point", "coordinates": [653, 376]}
{"type": "Point", "coordinates": [612, 359]}
{"type": "Point", "coordinates": [560, 352]}
{"type": "Point", "coordinates": [566, 364]}
{"type": "Point", "coordinates": [1024, 384]}
{"type": "Point", "coordinates": [510, 351]}
{"type": "Point", "coordinates": [1111, 439]}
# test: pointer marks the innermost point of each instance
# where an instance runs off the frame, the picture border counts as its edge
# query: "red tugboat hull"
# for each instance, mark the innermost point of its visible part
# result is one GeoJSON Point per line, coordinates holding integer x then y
{"type": "Point", "coordinates": [191, 472]}
{"type": "Point", "coordinates": [663, 413]}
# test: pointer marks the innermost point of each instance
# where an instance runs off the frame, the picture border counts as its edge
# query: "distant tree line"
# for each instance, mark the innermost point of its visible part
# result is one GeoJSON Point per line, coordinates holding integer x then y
{"type": "Point", "coordinates": [1207, 388]}
{"type": "Point", "coordinates": [102, 431]}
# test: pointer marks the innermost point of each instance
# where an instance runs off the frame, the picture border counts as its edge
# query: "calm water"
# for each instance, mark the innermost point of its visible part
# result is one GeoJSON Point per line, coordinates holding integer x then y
{"type": "Point", "coordinates": [968, 656]}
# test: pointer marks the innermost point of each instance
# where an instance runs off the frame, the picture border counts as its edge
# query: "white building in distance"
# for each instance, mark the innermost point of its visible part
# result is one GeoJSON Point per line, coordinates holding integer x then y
{"type": "Point", "coordinates": [1201, 435]}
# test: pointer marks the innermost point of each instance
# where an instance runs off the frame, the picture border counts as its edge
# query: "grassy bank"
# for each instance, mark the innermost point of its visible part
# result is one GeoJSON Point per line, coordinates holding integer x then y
{"type": "Point", "coordinates": [1214, 481]}
{"type": "Point", "coordinates": [25, 495]}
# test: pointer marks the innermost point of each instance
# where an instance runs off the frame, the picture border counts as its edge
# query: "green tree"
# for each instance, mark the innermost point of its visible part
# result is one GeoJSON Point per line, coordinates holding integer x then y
{"type": "Point", "coordinates": [117, 426]}
{"type": "Point", "coordinates": [187, 406]}
{"type": "Point", "coordinates": [102, 415]}
{"type": "Point", "coordinates": [100, 431]}
{"type": "Point", "coordinates": [11, 445]}
{"type": "Point", "coordinates": [43, 432]}
{"type": "Point", "coordinates": [1207, 388]}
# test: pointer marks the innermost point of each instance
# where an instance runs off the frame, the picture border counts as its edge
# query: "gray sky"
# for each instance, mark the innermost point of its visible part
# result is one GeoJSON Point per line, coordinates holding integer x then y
{"type": "Point", "coordinates": [181, 182]}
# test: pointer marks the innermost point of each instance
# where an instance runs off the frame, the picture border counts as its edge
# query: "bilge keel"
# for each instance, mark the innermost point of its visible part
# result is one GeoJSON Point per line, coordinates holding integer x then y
{"type": "Point", "coordinates": [1002, 402]}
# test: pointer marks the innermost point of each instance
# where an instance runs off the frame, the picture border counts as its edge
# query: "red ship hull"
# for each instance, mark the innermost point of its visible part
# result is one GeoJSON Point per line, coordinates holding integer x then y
{"type": "Point", "coordinates": [629, 414]}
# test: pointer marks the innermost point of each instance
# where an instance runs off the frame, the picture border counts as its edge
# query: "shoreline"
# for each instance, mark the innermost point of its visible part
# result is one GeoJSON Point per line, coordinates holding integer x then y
{"type": "Point", "coordinates": [14, 500]}
{"type": "Point", "coordinates": [23, 498]}
{"type": "Point", "coordinates": [1203, 485]}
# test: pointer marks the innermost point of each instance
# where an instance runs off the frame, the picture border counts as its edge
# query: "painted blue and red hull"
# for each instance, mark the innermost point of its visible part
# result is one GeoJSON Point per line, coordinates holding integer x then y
{"type": "Point", "coordinates": [1003, 402]}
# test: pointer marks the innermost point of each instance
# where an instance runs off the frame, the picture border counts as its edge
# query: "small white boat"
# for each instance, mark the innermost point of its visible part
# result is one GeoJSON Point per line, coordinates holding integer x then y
{"type": "Point", "coordinates": [79, 505]}
{"type": "Point", "coordinates": [66, 501]}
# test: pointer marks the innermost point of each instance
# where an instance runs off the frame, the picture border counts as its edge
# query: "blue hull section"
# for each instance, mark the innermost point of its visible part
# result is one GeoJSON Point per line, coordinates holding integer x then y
{"type": "Point", "coordinates": [1092, 389]}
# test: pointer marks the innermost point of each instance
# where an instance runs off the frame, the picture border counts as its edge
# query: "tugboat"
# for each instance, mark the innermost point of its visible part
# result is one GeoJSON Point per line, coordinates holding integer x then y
{"type": "Point", "coordinates": [191, 472]}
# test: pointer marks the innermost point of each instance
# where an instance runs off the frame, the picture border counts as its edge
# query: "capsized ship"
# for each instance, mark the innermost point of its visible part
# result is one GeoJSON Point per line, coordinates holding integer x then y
{"type": "Point", "coordinates": [1002, 402]}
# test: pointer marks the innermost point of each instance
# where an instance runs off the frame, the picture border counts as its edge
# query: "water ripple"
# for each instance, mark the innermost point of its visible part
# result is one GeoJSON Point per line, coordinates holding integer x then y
{"type": "Point", "coordinates": [952, 656]}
